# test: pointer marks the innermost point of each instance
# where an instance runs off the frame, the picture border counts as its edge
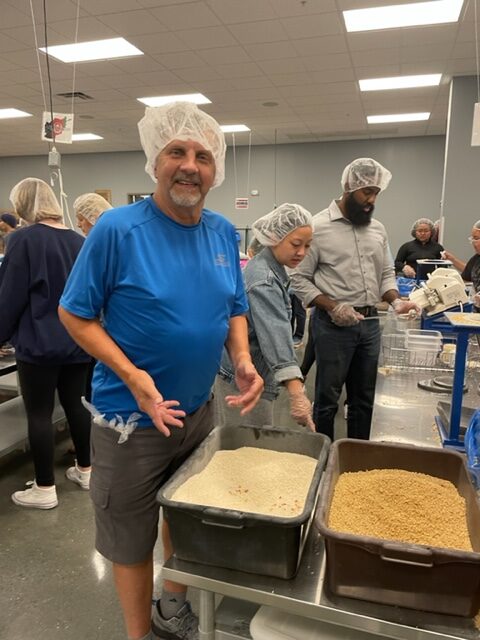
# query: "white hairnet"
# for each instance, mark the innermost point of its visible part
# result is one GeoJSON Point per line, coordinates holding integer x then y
{"type": "Point", "coordinates": [181, 121]}
{"type": "Point", "coordinates": [420, 221]}
{"type": "Point", "coordinates": [365, 172]}
{"type": "Point", "coordinates": [90, 206]}
{"type": "Point", "coordinates": [272, 228]}
{"type": "Point", "coordinates": [34, 200]}
{"type": "Point", "coordinates": [477, 225]}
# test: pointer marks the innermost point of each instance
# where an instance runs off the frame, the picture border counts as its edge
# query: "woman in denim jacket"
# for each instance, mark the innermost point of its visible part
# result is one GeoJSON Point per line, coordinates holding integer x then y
{"type": "Point", "coordinates": [285, 235]}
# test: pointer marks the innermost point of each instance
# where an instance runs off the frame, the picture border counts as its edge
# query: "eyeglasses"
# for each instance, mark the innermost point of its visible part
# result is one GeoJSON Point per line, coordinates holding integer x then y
{"type": "Point", "coordinates": [472, 239]}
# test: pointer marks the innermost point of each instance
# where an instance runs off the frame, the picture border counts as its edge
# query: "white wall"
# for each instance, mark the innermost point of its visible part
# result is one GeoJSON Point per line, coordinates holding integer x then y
{"type": "Point", "coordinates": [305, 173]}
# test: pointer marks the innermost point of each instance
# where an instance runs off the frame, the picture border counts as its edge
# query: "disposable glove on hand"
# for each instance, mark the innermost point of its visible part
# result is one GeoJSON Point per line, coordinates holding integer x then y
{"type": "Point", "coordinates": [343, 315]}
{"type": "Point", "coordinates": [405, 306]}
{"type": "Point", "coordinates": [476, 300]}
{"type": "Point", "coordinates": [408, 272]}
{"type": "Point", "coordinates": [301, 410]}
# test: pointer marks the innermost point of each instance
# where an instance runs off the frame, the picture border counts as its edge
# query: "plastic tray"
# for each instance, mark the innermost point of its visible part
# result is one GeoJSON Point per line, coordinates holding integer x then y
{"type": "Point", "coordinates": [396, 573]}
{"type": "Point", "coordinates": [238, 540]}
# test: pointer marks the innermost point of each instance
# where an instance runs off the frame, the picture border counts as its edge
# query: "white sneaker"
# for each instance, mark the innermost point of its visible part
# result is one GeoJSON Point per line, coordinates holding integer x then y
{"type": "Point", "coordinates": [36, 497]}
{"type": "Point", "coordinates": [80, 477]}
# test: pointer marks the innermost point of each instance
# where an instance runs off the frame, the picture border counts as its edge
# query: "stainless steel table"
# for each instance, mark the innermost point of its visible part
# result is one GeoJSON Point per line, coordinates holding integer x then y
{"type": "Point", "coordinates": [402, 413]}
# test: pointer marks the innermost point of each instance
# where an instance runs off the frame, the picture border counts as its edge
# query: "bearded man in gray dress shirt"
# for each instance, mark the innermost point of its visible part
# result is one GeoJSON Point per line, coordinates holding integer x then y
{"type": "Point", "coordinates": [348, 270]}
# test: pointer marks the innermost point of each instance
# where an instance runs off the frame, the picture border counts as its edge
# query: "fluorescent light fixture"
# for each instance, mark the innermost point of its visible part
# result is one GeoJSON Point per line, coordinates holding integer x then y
{"type": "Point", "coordinates": [403, 15]}
{"type": "Point", "coordinates": [400, 82]}
{"type": "Point", "coordinates": [158, 101]}
{"type": "Point", "coordinates": [94, 50]}
{"type": "Point", "coordinates": [399, 117]}
{"type": "Point", "coordinates": [234, 128]}
{"type": "Point", "coordinates": [81, 137]}
{"type": "Point", "coordinates": [13, 113]}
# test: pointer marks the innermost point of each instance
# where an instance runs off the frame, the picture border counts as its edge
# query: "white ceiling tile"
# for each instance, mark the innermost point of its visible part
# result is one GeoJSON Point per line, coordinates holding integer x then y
{"type": "Point", "coordinates": [251, 82]}
{"type": "Point", "coordinates": [233, 11]}
{"type": "Point", "coordinates": [332, 61]}
{"type": "Point", "coordinates": [227, 55]}
{"type": "Point", "coordinates": [376, 57]}
{"type": "Point", "coordinates": [179, 60]}
{"type": "Point", "coordinates": [264, 31]}
{"type": "Point", "coordinates": [203, 38]}
{"type": "Point", "coordinates": [271, 51]}
{"type": "Point", "coordinates": [241, 70]}
{"type": "Point", "coordinates": [99, 7]}
{"type": "Point", "coordinates": [373, 40]}
{"type": "Point", "coordinates": [88, 29]}
{"type": "Point", "coordinates": [155, 44]}
{"type": "Point", "coordinates": [287, 8]}
{"type": "Point", "coordinates": [133, 23]}
{"type": "Point", "coordinates": [461, 67]}
{"type": "Point", "coordinates": [198, 74]}
{"type": "Point", "coordinates": [463, 50]}
{"type": "Point", "coordinates": [313, 26]}
{"type": "Point", "coordinates": [290, 79]}
{"type": "Point", "coordinates": [316, 46]}
{"type": "Point", "coordinates": [332, 75]}
{"type": "Point", "coordinates": [193, 14]}
{"type": "Point", "coordinates": [294, 65]}
{"type": "Point", "coordinates": [425, 53]}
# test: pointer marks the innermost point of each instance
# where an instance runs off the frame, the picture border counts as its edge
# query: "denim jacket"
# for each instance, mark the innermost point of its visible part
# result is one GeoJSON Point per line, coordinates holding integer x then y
{"type": "Point", "coordinates": [269, 324]}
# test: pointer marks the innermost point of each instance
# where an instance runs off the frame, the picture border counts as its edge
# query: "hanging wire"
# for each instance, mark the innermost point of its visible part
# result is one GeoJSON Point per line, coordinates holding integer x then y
{"type": "Point", "coordinates": [38, 61]}
{"type": "Point", "coordinates": [248, 165]}
{"type": "Point", "coordinates": [48, 66]}
{"type": "Point", "coordinates": [476, 50]}
{"type": "Point", "coordinates": [77, 20]}
{"type": "Point", "coordinates": [275, 171]}
{"type": "Point", "coordinates": [234, 149]}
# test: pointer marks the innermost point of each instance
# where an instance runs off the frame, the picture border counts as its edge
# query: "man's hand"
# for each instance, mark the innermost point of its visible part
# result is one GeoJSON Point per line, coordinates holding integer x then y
{"type": "Point", "coordinates": [250, 385]}
{"type": "Point", "coordinates": [408, 271]}
{"type": "Point", "coordinates": [301, 410]}
{"type": "Point", "coordinates": [151, 402]}
{"type": "Point", "coordinates": [405, 306]}
{"type": "Point", "coordinates": [343, 315]}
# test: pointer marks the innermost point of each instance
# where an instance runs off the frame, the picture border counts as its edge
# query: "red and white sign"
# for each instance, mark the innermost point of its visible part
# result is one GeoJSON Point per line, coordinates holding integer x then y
{"type": "Point", "coordinates": [241, 203]}
{"type": "Point", "coordinates": [60, 129]}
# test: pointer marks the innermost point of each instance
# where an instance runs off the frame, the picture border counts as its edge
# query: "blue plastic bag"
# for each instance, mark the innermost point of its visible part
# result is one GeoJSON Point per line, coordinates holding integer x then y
{"type": "Point", "coordinates": [405, 286]}
{"type": "Point", "coordinates": [472, 447]}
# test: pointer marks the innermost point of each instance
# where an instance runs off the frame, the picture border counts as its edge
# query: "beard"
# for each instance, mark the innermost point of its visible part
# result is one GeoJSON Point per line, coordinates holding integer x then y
{"type": "Point", "coordinates": [356, 212]}
{"type": "Point", "coordinates": [183, 199]}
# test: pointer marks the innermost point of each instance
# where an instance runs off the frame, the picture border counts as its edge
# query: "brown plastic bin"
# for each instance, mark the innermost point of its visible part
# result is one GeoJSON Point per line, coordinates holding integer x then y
{"type": "Point", "coordinates": [397, 573]}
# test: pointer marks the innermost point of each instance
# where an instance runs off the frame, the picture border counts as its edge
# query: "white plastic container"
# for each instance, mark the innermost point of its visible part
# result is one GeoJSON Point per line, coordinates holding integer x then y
{"type": "Point", "coordinates": [274, 624]}
{"type": "Point", "coordinates": [423, 340]}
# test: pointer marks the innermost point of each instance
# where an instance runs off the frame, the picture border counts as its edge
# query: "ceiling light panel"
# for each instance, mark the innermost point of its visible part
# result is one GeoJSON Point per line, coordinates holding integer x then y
{"type": "Point", "coordinates": [13, 113]}
{"type": "Point", "coordinates": [234, 128]}
{"type": "Point", "coordinates": [400, 82]}
{"type": "Point", "coordinates": [83, 137]}
{"type": "Point", "coordinates": [399, 117]}
{"type": "Point", "coordinates": [158, 101]}
{"type": "Point", "coordinates": [94, 50]}
{"type": "Point", "coordinates": [403, 15]}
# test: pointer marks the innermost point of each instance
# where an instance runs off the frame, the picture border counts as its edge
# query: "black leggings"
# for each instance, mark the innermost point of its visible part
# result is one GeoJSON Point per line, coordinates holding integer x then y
{"type": "Point", "coordinates": [38, 384]}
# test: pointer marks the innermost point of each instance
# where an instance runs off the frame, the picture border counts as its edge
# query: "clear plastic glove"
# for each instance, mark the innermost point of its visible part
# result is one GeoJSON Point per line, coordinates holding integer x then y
{"type": "Point", "coordinates": [301, 410]}
{"type": "Point", "coordinates": [476, 300]}
{"type": "Point", "coordinates": [408, 271]}
{"type": "Point", "coordinates": [405, 306]}
{"type": "Point", "coordinates": [343, 315]}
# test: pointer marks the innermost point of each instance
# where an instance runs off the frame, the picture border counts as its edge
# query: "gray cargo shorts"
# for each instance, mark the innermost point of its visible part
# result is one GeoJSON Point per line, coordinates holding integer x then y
{"type": "Point", "coordinates": [126, 478]}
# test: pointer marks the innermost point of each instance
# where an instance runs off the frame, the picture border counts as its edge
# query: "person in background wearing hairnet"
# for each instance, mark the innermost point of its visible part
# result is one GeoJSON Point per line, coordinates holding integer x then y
{"type": "Point", "coordinates": [284, 236]}
{"type": "Point", "coordinates": [347, 271]}
{"type": "Point", "coordinates": [420, 248]}
{"type": "Point", "coordinates": [8, 224]}
{"type": "Point", "coordinates": [88, 208]}
{"type": "Point", "coordinates": [470, 271]}
{"type": "Point", "coordinates": [32, 276]}
{"type": "Point", "coordinates": [165, 274]}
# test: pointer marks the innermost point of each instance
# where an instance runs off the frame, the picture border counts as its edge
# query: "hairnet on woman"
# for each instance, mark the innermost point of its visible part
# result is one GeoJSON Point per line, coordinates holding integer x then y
{"type": "Point", "coordinates": [422, 247]}
{"type": "Point", "coordinates": [285, 234]}
{"type": "Point", "coordinates": [88, 208]}
{"type": "Point", "coordinates": [470, 270]}
{"type": "Point", "coordinates": [32, 278]}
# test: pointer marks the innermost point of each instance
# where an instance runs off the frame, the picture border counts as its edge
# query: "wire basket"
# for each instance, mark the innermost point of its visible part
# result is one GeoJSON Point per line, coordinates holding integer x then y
{"type": "Point", "coordinates": [396, 355]}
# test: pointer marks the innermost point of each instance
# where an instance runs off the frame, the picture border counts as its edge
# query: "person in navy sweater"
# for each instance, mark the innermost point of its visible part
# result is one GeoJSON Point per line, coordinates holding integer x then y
{"type": "Point", "coordinates": [32, 277]}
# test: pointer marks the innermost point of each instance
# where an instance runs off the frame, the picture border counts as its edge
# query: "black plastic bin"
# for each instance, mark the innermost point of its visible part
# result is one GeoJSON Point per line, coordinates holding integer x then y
{"type": "Point", "coordinates": [251, 542]}
{"type": "Point", "coordinates": [397, 573]}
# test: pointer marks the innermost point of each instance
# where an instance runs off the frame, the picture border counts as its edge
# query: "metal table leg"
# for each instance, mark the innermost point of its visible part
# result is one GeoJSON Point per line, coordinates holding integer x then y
{"type": "Point", "coordinates": [206, 618]}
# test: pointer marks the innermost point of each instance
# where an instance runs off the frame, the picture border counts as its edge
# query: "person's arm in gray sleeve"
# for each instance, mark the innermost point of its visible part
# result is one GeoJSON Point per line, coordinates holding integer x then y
{"type": "Point", "coordinates": [388, 279]}
{"type": "Point", "coordinates": [302, 280]}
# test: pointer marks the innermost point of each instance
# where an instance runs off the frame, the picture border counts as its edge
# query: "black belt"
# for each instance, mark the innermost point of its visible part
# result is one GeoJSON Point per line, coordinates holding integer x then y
{"type": "Point", "coordinates": [367, 312]}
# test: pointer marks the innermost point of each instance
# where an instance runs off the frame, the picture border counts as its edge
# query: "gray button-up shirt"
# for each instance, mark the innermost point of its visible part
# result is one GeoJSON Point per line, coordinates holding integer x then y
{"type": "Point", "coordinates": [347, 263]}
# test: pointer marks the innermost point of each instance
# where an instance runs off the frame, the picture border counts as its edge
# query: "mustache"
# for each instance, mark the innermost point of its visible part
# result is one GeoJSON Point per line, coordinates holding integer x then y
{"type": "Point", "coordinates": [182, 176]}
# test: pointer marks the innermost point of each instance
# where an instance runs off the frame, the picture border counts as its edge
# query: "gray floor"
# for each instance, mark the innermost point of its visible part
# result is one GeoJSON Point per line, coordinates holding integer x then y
{"type": "Point", "coordinates": [55, 586]}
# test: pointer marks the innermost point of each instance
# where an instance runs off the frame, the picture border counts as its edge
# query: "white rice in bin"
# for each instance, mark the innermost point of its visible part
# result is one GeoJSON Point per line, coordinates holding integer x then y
{"type": "Point", "coordinates": [252, 480]}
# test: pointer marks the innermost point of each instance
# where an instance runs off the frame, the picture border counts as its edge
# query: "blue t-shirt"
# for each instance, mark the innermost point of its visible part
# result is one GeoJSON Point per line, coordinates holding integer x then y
{"type": "Point", "coordinates": [166, 292]}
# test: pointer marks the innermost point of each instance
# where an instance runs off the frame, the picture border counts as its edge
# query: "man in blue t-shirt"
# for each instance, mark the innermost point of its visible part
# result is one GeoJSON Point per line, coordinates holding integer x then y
{"type": "Point", "coordinates": [164, 276]}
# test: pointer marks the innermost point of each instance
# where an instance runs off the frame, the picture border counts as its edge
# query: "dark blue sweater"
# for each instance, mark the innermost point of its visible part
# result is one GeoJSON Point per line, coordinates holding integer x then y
{"type": "Point", "coordinates": [32, 278]}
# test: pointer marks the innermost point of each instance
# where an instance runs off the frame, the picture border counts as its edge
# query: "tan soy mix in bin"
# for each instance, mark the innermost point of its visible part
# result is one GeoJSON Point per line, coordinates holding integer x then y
{"type": "Point", "coordinates": [394, 504]}
{"type": "Point", "coordinates": [252, 480]}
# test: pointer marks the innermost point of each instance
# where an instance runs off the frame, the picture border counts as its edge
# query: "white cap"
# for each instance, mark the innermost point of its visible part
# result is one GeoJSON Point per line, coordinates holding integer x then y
{"type": "Point", "coordinates": [365, 172]}
{"type": "Point", "coordinates": [90, 206]}
{"type": "Point", "coordinates": [35, 200]}
{"type": "Point", "coordinates": [181, 121]}
{"type": "Point", "coordinates": [272, 228]}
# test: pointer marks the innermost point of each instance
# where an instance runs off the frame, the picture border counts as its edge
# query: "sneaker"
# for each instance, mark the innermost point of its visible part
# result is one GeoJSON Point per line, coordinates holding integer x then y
{"type": "Point", "coordinates": [297, 343]}
{"type": "Point", "coordinates": [79, 477]}
{"type": "Point", "coordinates": [36, 497]}
{"type": "Point", "coordinates": [183, 626]}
